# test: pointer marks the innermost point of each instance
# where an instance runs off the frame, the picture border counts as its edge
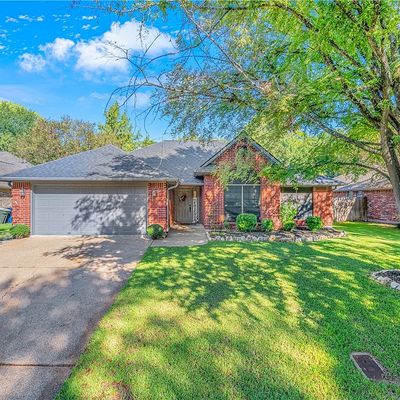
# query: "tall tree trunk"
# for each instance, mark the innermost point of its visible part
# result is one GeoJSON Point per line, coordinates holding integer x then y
{"type": "Point", "coordinates": [392, 164]}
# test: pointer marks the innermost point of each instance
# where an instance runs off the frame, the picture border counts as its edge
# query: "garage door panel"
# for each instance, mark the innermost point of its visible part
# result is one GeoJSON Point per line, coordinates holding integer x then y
{"type": "Point", "coordinates": [89, 210]}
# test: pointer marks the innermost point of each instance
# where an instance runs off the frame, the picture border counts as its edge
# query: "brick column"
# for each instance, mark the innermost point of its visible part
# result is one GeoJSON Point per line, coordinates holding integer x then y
{"type": "Point", "coordinates": [21, 203]}
{"type": "Point", "coordinates": [213, 201]}
{"type": "Point", "coordinates": [270, 199]}
{"type": "Point", "coordinates": [157, 204]}
{"type": "Point", "coordinates": [323, 204]}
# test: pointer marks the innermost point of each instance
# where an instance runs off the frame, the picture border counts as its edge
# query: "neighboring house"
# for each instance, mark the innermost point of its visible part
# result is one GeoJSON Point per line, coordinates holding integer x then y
{"type": "Point", "coordinates": [9, 164]}
{"type": "Point", "coordinates": [378, 192]}
{"type": "Point", "coordinates": [108, 191]}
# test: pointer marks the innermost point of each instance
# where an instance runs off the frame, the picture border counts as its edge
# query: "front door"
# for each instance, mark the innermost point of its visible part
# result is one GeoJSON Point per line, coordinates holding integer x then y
{"type": "Point", "coordinates": [184, 205]}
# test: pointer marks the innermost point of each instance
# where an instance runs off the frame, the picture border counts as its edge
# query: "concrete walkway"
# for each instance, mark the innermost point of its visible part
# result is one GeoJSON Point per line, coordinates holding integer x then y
{"type": "Point", "coordinates": [183, 235]}
{"type": "Point", "coordinates": [53, 291]}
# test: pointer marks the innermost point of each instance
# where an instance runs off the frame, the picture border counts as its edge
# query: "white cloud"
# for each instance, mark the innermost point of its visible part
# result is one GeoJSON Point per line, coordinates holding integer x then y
{"type": "Point", "coordinates": [86, 27]}
{"type": "Point", "coordinates": [32, 62]}
{"type": "Point", "coordinates": [2, 47]}
{"type": "Point", "coordinates": [88, 17]}
{"type": "Point", "coordinates": [60, 48]}
{"type": "Point", "coordinates": [40, 18]}
{"type": "Point", "coordinates": [107, 52]}
{"type": "Point", "coordinates": [11, 19]}
{"type": "Point", "coordinates": [25, 18]}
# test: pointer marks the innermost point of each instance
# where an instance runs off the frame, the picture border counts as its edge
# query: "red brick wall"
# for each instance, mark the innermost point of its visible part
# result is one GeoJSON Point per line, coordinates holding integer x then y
{"type": "Point", "coordinates": [213, 192]}
{"type": "Point", "coordinates": [21, 205]}
{"type": "Point", "coordinates": [323, 204]}
{"type": "Point", "coordinates": [270, 201]}
{"type": "Point", "coordinates": [381, 205]}
{"type": "Point", "coordinates": [157, 204]}
{"type": "Point", "coordinates": [212, 201]}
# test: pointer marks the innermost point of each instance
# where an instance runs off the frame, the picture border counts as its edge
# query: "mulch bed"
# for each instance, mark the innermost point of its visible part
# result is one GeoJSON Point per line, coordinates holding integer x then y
{"type": "Point", "coordinates": [388, 277]}
{"type": "Point", "coordinates": [297, 235]}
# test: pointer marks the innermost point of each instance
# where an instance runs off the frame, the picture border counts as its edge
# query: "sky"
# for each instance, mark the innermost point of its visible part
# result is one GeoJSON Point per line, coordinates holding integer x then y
{"type": "Point", "coordinates": [56, 59]}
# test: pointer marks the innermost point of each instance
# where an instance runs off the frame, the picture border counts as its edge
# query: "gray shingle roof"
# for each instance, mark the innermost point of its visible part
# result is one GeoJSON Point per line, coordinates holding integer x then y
{"type": "Point", "coordinates": [367, 182]}
{"type": "Point", "coordinates": [179, 158]}
{"type": "Point", "coordinates": [102, 164]}
{"type": "Point", "coordinates": [9, 164]}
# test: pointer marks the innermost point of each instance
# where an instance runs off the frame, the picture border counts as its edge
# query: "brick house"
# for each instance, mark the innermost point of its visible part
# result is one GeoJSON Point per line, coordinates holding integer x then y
{"type": "Point", "coordinates": [379, 196]}
{"type": "Point", "coordinates": [109, 191]}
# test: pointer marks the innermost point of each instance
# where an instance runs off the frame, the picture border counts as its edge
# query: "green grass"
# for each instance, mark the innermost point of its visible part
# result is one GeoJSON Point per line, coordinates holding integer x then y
{"type": "Point", "coordinates": [249, 321]}
{"type": "Point", "coordinates": [4, 229]}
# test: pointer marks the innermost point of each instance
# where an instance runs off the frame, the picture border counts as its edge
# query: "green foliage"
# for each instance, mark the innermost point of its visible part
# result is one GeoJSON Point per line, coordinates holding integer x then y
{"type": "Point", "coordinates": [49, 140]}
{"type": "Point", "coordinates": [227, 225]}
{"type": "Point", "coordinates": [246, 222]}
{"type": "Point", "coordinates": [314, 223]}
{"type": "Point", "coordinates": [117, 130]}
{"type": "Point", "coordinates": [20, 231]}
{"type": "Point", "coordinates": [155, 231]}
{"type": "Point", "coordinates": [242, 169]}
{"type": "Point", "coordinates": [15, 121]}
{"type": "Point", "coordinates": [267, 225]}
{"type": "Point", "coordinates": [288, 212]}
{"type": "Point", "coordinates": [331, 72]}
{"type": "Point", "coordinates": [289, 226]}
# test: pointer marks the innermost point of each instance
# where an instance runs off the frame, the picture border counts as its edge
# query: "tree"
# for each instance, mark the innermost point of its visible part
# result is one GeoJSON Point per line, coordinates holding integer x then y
{"type": "Point", "coordinates": [117, 130]}
{"type": "Point", "coordinates": [49, 140]}
{"type": "Point", "coordinates": [330, 69]}
{"type": "Point", "coordinates": [15, 121]}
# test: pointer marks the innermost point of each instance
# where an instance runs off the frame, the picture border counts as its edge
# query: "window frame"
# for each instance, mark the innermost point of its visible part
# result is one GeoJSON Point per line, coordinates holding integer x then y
{"type": "Point", "coordinates": [241, 185]}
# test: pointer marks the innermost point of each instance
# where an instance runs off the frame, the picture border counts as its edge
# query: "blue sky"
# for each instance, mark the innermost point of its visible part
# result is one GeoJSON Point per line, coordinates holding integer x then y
{"type": "Point", "coordinates": [55, 59]}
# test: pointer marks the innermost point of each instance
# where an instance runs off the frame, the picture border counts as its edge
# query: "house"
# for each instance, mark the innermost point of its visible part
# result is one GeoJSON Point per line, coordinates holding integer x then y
{"type": "Point", "coordinates": [9, 164]}
{"type": "Point", "coordinates": [378, 194]}
{"type": "Point", "coordinates": [109, 191]}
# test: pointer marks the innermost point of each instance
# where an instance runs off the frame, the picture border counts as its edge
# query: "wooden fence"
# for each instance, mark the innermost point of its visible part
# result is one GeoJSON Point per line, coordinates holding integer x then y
{"type": "Point", "coordinates": [350, 209]}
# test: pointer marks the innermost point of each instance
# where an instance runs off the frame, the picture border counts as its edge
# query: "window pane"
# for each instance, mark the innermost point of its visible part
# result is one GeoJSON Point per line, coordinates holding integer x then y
{"type": "Point", "coordinates": [233, 202]}
{"type": "Point", "coordinates": [251, 200]}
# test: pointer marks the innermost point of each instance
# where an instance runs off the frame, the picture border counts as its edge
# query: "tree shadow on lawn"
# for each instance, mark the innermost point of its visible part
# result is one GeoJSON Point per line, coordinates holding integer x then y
{"type": "Point", "coordinates": [237, 320]}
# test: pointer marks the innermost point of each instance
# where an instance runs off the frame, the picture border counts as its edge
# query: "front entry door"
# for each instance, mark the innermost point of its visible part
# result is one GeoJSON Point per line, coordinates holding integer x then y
{"type": "Point", "coordinates": [184, 205]}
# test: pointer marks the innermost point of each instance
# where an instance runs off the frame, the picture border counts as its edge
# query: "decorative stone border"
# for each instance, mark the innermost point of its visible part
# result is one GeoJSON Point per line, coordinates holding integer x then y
{"type": "Point", "coordinates": [298, 235]}
{"type": "Point", "coordinates": [380, 277]}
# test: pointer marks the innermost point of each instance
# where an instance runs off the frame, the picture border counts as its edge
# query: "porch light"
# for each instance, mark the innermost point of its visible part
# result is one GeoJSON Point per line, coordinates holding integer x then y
{"type": "Point", "coordinates": [22, 192]}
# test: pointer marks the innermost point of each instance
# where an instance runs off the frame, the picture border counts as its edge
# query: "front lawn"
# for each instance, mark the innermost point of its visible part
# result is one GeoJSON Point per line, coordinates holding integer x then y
{"type": "Point", "coordinates": [249, 321]}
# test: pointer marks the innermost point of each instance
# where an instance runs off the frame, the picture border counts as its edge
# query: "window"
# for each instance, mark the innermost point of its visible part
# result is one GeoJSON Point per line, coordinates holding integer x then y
{"type": "Point", "coordinates": [241, 199]}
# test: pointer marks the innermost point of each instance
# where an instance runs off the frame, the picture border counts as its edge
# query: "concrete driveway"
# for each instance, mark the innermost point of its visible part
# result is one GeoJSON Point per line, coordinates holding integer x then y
{"type": "Point", "coordinates": [53, 291]}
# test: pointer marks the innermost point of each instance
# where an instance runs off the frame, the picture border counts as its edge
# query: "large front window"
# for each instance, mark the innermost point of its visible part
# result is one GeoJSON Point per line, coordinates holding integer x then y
{"type": "Point", "coordinates": [241, 199]}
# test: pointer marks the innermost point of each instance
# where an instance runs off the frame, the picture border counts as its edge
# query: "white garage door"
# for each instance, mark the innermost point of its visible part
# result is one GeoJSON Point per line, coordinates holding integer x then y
{"type": "Point", "coordinates": [85, 210]}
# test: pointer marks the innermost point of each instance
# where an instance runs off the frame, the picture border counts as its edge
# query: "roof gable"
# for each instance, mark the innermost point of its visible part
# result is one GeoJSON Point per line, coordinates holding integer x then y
{"type": "Point", "coordinates": [229, 145]}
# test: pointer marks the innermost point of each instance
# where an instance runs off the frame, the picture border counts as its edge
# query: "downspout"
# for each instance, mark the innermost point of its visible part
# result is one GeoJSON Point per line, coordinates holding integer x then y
{"type": "Point", "coordinates": [168, 191]}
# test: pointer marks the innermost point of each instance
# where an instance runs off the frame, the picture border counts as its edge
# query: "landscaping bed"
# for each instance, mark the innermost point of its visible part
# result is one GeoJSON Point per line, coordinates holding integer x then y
{"type": "Point", "coordinates": [389, 277]}
{"type": "Point", "coordinates": [297, 235]}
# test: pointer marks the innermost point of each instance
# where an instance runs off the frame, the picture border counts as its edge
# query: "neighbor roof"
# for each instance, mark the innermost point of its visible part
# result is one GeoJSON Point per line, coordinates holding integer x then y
{"type": "Point", "coordinates": [102, 164]}
{"type": "Point", "coordinates": [369, 181]}
{"type": "Point", "coordinates": [9, 164]}
{"type": "Point", "coordinates": [179, 158]}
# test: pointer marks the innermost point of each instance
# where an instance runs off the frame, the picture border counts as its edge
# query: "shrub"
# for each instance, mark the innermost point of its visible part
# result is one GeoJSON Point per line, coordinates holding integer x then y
{"type": "Point", "coordinates": [155, 231]}
{"type": "Point", "coordinates": [288, 212]}
{"type": "Point", "coordinates": [20, 231]}
{"type": "Point", "coordinates": [246, 222]}
{"type": "Point", "coordinates": [314, 223]}
{"type": "Point", "coordinates": [267, 225]}
{"type": "Point", "coordinates": [289, 226]}
{"type": "Point", "coordinates": [227, 225]}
